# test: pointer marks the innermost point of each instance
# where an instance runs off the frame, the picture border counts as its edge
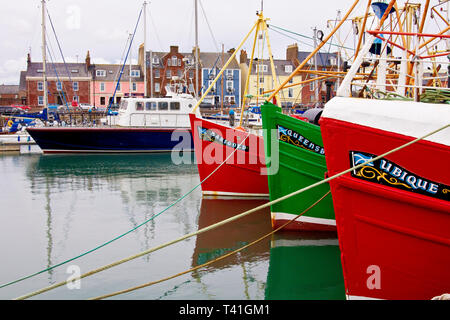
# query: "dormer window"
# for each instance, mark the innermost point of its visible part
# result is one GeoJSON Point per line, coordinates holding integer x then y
{"type": "Point", "coordinates": [135, 73]}
{"type": "Point", "coordinates": [100, 73]}
{"type": "Point", "coordinates": [288, 68]}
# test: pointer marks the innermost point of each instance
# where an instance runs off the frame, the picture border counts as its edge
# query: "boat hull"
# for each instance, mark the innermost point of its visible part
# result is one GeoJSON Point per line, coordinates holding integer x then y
{"type": "Point", "coordinates": [111, 140]}
{"type": "Point", "coordinates": [300, 165]}
{"type": "Point", "coordinates": [242, 175]}
{"type": "Point", "coordinates": [394, 236]}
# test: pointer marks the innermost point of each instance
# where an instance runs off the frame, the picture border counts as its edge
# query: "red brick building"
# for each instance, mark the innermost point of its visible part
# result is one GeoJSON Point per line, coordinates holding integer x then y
{"type": "Point", "coordinates": [325, 62]}
{"type": "Point", "coordinates": [66, 83]}
{"type": "Point", "coordinates": [9, 94]}
{"type": "Point", "coordinates": [167, 68]}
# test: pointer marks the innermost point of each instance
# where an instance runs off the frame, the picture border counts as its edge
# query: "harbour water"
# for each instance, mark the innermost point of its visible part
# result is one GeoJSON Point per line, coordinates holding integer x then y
{"type": "Point", "coordinates": [56, 207]}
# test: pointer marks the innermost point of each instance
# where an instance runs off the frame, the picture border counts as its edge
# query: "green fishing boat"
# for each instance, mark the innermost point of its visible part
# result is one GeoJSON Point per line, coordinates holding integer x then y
{"type": "Point", "coordinates": [295, 159]}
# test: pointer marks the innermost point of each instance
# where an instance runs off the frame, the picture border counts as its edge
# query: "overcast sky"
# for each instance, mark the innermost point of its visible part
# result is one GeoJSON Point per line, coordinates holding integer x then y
{"type": "Point", "coordinates": [103, 27]}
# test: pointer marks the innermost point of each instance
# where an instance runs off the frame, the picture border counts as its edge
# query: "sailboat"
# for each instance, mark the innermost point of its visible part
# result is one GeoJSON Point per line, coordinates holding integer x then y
{"type": "Point", "coordinates": [143, 124]}
{"type": "Point", "coordinates": [393, 213]}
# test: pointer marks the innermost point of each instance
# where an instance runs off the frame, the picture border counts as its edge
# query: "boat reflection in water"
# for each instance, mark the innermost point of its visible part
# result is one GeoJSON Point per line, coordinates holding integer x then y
{"type": "Point", "coordinates": [305, 266]}
{"type": "Point", "coordinates": [246, 264]}
{"type": "Point", "coordinates": [215, 243]}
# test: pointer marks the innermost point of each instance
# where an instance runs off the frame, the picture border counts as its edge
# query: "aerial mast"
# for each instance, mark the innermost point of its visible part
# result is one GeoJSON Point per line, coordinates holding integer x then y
{"type": "Point", "coordinates": [196, 49]}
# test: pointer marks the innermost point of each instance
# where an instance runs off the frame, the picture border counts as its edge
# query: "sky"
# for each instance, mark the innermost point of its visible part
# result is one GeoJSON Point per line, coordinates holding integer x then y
{"type": "Point", "coordinates": [103, 27]}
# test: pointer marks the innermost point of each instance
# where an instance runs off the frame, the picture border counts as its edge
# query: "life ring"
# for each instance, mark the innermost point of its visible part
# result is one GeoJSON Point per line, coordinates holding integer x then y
{"type": "Point", "coordinates": [10, 123]}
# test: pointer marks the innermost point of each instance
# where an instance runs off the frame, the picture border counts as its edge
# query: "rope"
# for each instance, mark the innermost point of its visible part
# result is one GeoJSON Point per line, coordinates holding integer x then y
{"type": "Point", "coordinates": [129, 231]}
{"type": "Point", "coordinates": [236, 217]}
{"type": "Point", "coordinates": [212, 261]}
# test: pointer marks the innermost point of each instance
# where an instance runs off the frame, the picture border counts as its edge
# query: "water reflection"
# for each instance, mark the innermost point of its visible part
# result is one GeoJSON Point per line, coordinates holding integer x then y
{"type": "Point", "coordinates": [215, 243]}
{"type": "Point", "coordinates": [212, 244]}
{"type": "Point", "coordinates": [305, 265]}
{"type": "Point", "coordinates": [135, 186]}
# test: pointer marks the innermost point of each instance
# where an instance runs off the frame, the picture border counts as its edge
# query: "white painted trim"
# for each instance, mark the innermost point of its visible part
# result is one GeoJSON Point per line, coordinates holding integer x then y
{"type": "Point", "coordinates": [350, 297]}
{"type": "Point", "coordinates": [235, 194]}
{"type": "Point", "coordinates": [408, 118]}
{"type": "Point", "coordinates": [290, 216]}
{"type": "Point", "coordinates": [304, 243]}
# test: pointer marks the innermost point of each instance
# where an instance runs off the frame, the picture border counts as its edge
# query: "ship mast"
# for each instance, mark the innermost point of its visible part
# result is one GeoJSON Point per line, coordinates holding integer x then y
{"type": "Point", "coordinates": [44, 57]}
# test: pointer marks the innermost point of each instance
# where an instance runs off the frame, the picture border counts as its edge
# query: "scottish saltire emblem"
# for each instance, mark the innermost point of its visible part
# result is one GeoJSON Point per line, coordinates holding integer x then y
{"type": "Point", "coordinates": [212, 136]}
{"type": "Point", "coordinates": [294, 138]}
{"type": "Point", "coordinates": [388, 173]}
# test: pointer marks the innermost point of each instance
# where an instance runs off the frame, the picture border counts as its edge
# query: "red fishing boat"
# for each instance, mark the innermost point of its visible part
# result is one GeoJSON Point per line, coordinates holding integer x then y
{"type": "Point", "coordinates": [231, 160]}
{"type": "Point", "coordinates": [392, 213]}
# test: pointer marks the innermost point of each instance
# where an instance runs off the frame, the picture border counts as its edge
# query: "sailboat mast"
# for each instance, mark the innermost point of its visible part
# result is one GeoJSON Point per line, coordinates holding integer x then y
{"type": "Point", "coordinates": [196, 49]}
{"type": "Point", "coordinates": [145, 49]}
{"type": "Point", "coordinates": [44, 57]}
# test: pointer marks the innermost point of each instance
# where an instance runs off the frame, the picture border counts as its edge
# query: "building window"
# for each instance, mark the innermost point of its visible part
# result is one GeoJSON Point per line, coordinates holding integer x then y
{"type": "Point", "coordinates": [155, 60]}
{"type": "Point", "coordinates": [100, 73]}
{"type": "Point", "coordinates": [212, 73]}
{"type": "Point", "coordinates": [168, 74]}
{"type": "Point", "coordinates": [261, 79]}
{"type": "Point", "coordinates": [157, 75]}
{"type": "Point", "coordinates": [59, 86]}
{"type": "Point", "coordinates": [230, 99]}
{"type": "Point", "coordinates": [134, 86]}
{"type": "Point", "coordinates": [290, 93]}
{"type": "Point", "coordinates": [119, 86]}
{"type": "Point", "coordinates": [229, 74]}
{"type": "Point", "coordinates": [102, 86]}
{"type": "Point", "coordinates": [191, 87]}
{"type": "Point", "coordinates": [40, 86]}
{"type": "Point", "coordinates": [76, 99]}
{"type": "Point", "coordinates": [261, 91]}
{"type": "Point", "coordinates": [210, 83]}
{"type": "Point", "coordinates": [288, 69]}
{"type": "Point", "coordinates": [191, 74]}
{"type": "Point", "coordinates": [75, 86]}
{"type": "Point", "coordinates": [157, 87]}
{"type": "Point", "coordinates": [102, 101]}
{"type": "Point", "coordinates": [311, 86]}
{"type": "Point", "coordinates": [135, 73]}
{"type": "Point", "coordinates": [174, 61]}
{"type": "Point", "coordinates": [40, 100]}
{"type": "Point", "coordinates": [262, 68]}
{"type": "Point", "coordinates": [230, 85]}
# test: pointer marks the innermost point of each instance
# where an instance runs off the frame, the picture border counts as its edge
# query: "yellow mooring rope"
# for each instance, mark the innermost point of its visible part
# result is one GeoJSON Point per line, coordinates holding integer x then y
{"type": "Point", "coordinates": [212, 261]}
{"type": "Point", "coordinates": [211, 227]}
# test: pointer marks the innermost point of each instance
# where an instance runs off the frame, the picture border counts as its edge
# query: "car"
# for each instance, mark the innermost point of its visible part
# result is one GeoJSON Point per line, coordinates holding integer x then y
{"type": "Point", "coordinates": [100, 108]}
{"type": "Point", "coordinates": [86, 106]}
{"type": "Point", "coordinates": [9, 110]}
{"type": "Point", "coordinates": [21, 106]}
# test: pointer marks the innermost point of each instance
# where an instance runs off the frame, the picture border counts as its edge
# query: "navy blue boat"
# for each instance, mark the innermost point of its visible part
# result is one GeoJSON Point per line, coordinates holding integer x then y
{"type": "Point", "coordinates": [143, 125]}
